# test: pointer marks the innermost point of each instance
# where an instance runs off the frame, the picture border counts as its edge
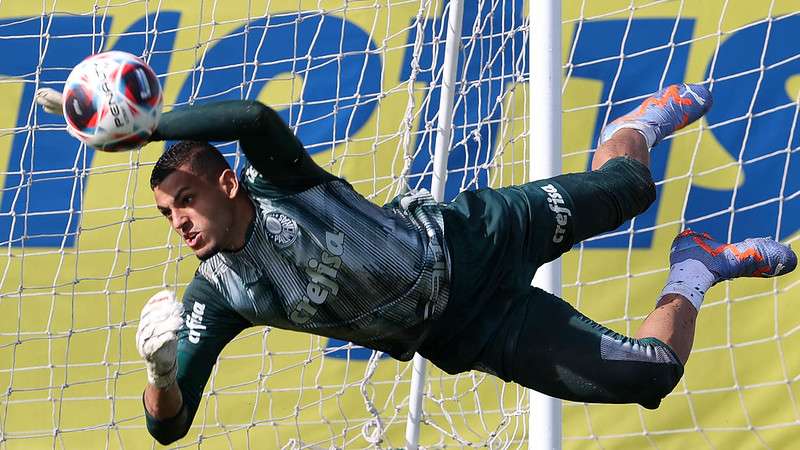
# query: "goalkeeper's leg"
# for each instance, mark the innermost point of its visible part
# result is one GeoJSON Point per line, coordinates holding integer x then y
{"type": "Point", "coordinates": [498, 238]}
{"type": "Point", "coordinates": [547, 345]}
{"type": "Point", "coordinates": [620, 185]}
{"type": "Point", "coordinates": [698, 262]}
{"type": "Point", "coordinates": [660, 115]}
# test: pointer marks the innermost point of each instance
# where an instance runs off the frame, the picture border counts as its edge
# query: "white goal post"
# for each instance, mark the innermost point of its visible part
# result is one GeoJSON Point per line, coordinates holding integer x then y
{"type": "Point", "coordinates": [545, 162]}
{"type": "Point", "coordinates": [363, 84]}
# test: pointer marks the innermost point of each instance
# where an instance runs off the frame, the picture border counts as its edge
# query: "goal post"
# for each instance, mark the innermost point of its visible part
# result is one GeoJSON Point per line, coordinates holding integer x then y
{"type": "Point", "coordinates": [545, 70]}
{"type": "Point", "coordinates": [362, 83]}
{"type": "Point", "coordinates": [444, 139]}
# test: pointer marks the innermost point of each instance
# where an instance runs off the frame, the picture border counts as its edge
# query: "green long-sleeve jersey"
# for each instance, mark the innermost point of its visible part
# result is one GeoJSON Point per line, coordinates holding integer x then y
{"type": "Point", "coordinates": [318, 256]}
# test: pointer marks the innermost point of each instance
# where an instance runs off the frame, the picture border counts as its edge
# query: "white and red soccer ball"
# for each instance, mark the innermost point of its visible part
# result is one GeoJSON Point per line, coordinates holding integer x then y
{"type": "Point", "coordinates": [112, 101]}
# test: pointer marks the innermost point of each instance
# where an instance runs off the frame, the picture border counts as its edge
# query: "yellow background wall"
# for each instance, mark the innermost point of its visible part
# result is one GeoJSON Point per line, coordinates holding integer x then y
{"type": "Point", "coordinates": [70, 376]}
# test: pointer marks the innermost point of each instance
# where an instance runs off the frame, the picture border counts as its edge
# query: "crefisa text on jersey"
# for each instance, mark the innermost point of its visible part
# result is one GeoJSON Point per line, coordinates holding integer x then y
{"type": "Point", "coordinates": [323, 278]}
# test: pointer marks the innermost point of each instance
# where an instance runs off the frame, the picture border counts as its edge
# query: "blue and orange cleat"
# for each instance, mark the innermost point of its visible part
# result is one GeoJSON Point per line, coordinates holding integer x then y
{"type": "Point", "coordinates": [757, 257]}
{"type": "Point", "coordinates": [663, 113]}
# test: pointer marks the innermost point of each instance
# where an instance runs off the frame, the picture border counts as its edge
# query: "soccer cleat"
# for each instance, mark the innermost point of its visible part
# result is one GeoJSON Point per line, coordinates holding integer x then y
{"type": "Point", "coordinates": [663, 113]}
{"type": "Point", "coordinates": [757, 257]}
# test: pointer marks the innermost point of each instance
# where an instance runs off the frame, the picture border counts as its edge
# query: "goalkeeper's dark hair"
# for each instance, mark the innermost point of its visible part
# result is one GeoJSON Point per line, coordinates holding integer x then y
{"type": "Point", "coordinates": [203, 158]}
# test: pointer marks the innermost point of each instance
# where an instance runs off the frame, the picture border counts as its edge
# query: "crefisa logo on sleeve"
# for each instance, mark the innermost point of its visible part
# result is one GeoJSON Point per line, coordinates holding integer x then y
{"type": "Point", "coordinates": [281, 229]}
{"type": "Point", "coordinates": [556, 203]}
{"type": "Point", "coordinates": [194, 322]}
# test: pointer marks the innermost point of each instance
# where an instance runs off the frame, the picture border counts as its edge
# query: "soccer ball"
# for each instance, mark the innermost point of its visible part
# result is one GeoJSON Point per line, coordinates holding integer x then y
{"type": "Point", "coordinates": [112, 101]}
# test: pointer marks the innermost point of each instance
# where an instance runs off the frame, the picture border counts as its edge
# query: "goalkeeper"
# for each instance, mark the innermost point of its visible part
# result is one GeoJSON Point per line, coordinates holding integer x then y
{"type": "Point", "coordinates": [289, 245]}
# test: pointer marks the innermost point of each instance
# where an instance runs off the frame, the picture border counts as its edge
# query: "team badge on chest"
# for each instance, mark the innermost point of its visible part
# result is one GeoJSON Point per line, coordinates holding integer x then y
{"type": "Point", "coordinates": [281, 229]}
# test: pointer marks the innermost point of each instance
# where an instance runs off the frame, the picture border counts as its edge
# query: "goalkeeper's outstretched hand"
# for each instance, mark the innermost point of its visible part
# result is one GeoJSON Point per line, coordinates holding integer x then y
{"type": "Point", "coordinates": [51, 100]}
{"type": "Point", "coordinates": [157, 338]}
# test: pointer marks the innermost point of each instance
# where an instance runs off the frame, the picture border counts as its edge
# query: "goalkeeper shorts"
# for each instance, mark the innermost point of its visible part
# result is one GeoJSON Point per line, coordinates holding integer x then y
{"type": "Point", "coordinates": [495, 321]}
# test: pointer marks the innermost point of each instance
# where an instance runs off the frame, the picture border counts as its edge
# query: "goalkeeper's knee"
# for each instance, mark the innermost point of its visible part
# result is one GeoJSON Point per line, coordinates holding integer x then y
{"type": "Point", "coordinates": [631, 185]}
{"type": "Point", "coordinates": [652, 380]}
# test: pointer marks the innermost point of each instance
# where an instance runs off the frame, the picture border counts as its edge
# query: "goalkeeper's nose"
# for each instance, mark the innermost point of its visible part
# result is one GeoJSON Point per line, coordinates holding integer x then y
{"type": "Point", "coordinates": [181, 223]}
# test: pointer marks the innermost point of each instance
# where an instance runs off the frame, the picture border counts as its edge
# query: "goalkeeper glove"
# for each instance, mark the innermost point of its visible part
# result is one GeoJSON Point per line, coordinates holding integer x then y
{"type": "Point", "coordinates": [157, 337]}
{"type": "Point", "coordinates": [51, 100]}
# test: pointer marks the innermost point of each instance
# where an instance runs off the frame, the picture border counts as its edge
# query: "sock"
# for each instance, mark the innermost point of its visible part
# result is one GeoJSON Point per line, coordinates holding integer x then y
{"type": "Point", "coordinates": [691, 279]}
{"type": "Point", "coordinates": [646, 130]}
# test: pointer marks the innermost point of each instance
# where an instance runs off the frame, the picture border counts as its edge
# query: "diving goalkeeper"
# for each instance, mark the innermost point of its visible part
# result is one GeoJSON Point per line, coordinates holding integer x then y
{"type": "Point", "coordinates": [290, 245]}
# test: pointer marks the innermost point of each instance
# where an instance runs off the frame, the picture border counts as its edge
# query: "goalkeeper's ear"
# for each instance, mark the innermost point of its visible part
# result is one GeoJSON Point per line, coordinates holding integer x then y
{"type": "Point", "coordinates": [51, 100]}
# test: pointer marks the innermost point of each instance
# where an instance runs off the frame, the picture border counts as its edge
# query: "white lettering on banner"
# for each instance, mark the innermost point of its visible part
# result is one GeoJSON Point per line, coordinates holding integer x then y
{"type": "Point", "coordinates": [323, 275]}
{"type": "Point", "coordinates": [194, 322]}
{"type": "Point", "coordinates": [555, 202]}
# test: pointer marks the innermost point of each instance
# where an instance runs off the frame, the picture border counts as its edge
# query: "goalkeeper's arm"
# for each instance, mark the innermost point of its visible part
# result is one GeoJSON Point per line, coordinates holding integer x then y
{"type": "Point", "coordinates": [178, 369]}
{"type": "Point", "coordinates": [157, 341]}
{"type": "Point", "coordinates": [269, 144]}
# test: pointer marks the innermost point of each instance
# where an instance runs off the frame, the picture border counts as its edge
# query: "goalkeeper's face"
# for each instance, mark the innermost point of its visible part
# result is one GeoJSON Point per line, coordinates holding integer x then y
{"type": "Point", "coordinates": [200, 209]}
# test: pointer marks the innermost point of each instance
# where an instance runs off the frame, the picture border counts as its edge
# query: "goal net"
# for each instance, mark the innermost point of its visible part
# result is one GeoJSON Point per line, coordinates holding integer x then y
{"type": "Point", "coordinates": [83, 247]}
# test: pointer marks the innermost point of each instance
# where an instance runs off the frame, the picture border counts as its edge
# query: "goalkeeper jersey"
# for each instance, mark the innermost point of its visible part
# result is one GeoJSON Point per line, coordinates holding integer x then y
{"type": "Point", "coordinates": [327, 261]}
{"type": "Point", "coordinates": [318, 258]}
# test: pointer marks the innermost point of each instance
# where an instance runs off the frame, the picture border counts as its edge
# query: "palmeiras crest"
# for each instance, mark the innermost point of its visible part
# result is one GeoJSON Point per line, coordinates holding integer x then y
{"type": "Point", "coordinates": [281, 229]}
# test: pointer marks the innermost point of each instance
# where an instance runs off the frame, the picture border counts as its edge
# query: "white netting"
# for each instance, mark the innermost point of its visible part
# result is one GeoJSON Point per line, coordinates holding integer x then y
{"type": "Point", "coordinates": [360, 81]}
{"type": "Point", "coordinates": [730, 175]}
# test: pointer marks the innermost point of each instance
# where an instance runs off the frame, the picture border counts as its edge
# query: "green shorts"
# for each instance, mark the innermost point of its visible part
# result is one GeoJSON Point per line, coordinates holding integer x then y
{"type": "Point", "coordinates": [497, 239]}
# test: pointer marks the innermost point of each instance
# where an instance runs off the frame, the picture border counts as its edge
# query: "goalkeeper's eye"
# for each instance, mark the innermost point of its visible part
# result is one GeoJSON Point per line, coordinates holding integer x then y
{"type": "Point", "coordinates": [165, 212]}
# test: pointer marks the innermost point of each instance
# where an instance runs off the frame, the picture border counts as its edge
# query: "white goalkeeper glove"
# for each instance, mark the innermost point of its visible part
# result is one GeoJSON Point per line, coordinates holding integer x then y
{"type": "Point", "coordinates": [157, 337]}
{"type": "Point", "coordinates": [51, 100]}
